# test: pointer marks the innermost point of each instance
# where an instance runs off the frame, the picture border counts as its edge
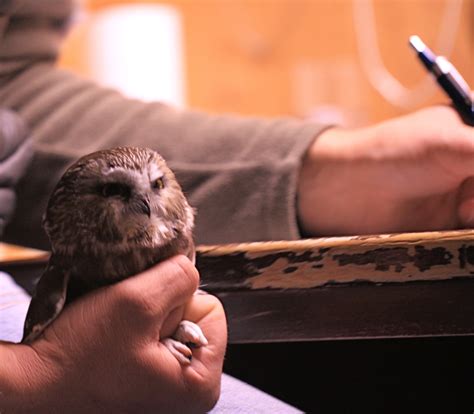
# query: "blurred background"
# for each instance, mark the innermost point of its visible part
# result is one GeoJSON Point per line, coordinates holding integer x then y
{"type": "Point", "coordinates": [345, 61]}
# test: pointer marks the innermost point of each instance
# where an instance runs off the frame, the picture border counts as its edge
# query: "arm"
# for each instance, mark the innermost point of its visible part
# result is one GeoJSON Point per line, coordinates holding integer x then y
{"type": "Point", "coordinates": [244, 175]}
{"type": "Point", "coordinates": [103, 352]}
{"type": "Point", "coordinates": [240, 173]}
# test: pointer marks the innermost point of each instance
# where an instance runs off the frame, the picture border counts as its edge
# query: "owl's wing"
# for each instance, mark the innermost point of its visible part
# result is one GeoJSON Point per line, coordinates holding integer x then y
{"type": "Point", "coordinates": [47, 302]}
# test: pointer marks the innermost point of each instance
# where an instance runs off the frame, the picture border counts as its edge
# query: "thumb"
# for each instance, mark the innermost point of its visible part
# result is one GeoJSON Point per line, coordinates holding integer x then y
{"type": "Point", "coordinates": [156, 292]}
{"type": "Point", "coordinates": [466, 203]}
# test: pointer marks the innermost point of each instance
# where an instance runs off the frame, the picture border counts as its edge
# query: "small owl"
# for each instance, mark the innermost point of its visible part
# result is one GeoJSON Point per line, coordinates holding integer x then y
{"type": "Point", "coordinates": [114, 213]}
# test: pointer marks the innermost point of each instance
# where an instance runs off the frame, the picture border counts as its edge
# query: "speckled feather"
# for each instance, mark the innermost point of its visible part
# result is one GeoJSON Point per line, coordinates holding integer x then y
{"type": "Point", "coordinates": [99, 239]}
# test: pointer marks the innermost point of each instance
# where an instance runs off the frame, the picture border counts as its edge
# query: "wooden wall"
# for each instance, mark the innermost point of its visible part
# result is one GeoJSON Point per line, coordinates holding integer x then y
{"type": "Point", "coordinates": [288, 57]}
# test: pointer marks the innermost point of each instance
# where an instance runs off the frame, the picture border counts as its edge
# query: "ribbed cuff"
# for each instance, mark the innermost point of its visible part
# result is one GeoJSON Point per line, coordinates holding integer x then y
{"type": "Point", "coordinates": [281, 206]}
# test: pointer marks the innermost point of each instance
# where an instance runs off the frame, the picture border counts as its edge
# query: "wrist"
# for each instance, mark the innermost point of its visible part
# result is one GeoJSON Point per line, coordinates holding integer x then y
{"type": "Point", "coordinates": [327, 183]}
{"type": "Point", "coordinates": [23, 379]}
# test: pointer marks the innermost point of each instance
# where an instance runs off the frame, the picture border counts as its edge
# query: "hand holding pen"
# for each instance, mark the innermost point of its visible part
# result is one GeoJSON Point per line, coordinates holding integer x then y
{"type": "Point", "coordinates": [448, 78]}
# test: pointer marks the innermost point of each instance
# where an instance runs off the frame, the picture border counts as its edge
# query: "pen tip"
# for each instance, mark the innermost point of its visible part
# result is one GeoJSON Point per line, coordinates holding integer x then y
{"type": "Point", "coordinates": [417, 43]}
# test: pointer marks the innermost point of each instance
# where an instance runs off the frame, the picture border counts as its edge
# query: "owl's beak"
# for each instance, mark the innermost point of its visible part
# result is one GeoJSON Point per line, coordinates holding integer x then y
{"type": "Point", "coordinates": [144, 206]}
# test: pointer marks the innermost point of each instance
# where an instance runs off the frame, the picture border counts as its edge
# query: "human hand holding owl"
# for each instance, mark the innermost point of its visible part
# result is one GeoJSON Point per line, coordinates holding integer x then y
{"type": "Point", "coordinates": [146, 341]}
{"type": "Point", "coordinates": [103, 353]}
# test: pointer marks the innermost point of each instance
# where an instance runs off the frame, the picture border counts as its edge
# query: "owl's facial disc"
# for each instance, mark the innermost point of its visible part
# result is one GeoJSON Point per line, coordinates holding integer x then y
{"type": "Point", "coordinates": [116, 201]}
{"type": "Point", "coordinates": [138, 203]}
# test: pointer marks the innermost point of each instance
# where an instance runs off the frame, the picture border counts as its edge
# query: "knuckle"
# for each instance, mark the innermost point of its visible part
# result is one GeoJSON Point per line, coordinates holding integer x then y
{"type": "Point", "coordinates": [131, 300]}
{"type": "Point", "coordinates": [134, 298]}
{"type": "Point", "coordinates": [215, 302]}
{"type": "Point", "coordinates": [188, 271]}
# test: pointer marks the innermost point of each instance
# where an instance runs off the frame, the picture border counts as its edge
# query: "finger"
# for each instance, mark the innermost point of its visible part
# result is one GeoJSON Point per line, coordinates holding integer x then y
{"type": "Point", "coordinates": [135, 307]}
{"type": "Point", "coordinates": [466, 203]}
{"type": "Point", "coordinates": [197, 382]}
{"type": "Point", "coordinates": [452, 138]}
{"type": "Point", "coordinates": [159, 290]}
{"type": "Point", "coordinates": [467, 149]}
{"type": "Point", "coordinates": [203, 375]}
{"type": "Point", "coordinates": [207, 312]}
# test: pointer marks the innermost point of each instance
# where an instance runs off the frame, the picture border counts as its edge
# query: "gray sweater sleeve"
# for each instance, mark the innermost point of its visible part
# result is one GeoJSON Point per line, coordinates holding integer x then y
{"type": "Point", "coordinates": [239, 173]}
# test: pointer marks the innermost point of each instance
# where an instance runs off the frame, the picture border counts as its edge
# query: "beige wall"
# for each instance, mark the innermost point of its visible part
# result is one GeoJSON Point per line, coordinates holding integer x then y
{"type": "Point", "coordinates": [277, 57]}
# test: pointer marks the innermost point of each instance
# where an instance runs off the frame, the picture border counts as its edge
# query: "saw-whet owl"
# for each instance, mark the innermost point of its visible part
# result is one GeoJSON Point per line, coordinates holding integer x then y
{"type": "Point", "coordinates": [114, 213]}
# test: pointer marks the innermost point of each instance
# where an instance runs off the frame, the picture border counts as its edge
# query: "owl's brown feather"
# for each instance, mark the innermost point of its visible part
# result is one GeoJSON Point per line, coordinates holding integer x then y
{"type": "Point", "coordinates": [113, 214]}
{"type": "Point", "coordinates": [47, 302]}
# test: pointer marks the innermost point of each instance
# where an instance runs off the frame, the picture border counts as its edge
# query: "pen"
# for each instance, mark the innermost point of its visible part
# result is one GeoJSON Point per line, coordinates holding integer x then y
{"type": "Point", "coordinates": [448, 78]}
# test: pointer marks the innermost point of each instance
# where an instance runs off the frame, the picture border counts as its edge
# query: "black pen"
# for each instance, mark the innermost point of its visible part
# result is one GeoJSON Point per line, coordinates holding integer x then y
{"type": "Point", "coordinates": [448, 78]}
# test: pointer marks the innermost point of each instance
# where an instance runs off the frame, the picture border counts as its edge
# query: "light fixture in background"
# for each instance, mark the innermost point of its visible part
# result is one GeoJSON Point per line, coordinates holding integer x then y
{"type": "Point", "coordinates": [138, 50]}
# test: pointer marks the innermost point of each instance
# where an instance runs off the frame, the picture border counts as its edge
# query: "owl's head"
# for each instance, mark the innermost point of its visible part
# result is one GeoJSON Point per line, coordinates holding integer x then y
{"type": "Point", "coordinates": [117, 200]}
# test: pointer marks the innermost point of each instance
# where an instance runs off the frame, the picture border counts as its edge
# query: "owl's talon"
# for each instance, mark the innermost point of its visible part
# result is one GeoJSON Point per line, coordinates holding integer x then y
{"type": "Point", "coordinates": [181, 351]}
{"type": "Point", "coordinates": [190, 333]}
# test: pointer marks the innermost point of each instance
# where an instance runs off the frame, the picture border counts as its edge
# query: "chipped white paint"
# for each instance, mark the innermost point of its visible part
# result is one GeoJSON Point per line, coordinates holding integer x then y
{"type": "Point", "coordinates": [316, 262]}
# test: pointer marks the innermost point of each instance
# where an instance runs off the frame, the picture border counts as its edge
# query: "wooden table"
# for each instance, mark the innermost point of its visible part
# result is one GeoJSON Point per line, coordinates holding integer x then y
{"type": "Point", "coordinates": [383, 286]}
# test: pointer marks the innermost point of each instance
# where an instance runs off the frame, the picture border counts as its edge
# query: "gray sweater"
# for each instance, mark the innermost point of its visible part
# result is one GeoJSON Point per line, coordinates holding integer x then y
{"type": "Point", "coordinates": [239, 173]}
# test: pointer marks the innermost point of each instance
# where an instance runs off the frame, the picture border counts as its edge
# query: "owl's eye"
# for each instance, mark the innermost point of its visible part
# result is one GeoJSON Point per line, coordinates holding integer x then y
{"type": "Point", "coordinates": [159, 184]}
{"type": "Point", "coordinates": [115, 190]}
